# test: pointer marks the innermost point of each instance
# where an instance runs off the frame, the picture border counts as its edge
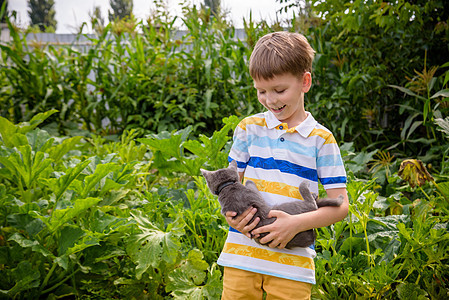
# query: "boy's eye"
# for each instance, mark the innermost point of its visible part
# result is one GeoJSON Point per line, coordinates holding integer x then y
{"type": "Point", "coordinates": [261, 92]}
{"type": "Point", "coordinates": [280, 91]}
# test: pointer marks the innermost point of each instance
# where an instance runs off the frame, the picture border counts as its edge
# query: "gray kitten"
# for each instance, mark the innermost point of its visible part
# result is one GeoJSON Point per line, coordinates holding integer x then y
{"type": "Point", "coordinates": [234, 196]}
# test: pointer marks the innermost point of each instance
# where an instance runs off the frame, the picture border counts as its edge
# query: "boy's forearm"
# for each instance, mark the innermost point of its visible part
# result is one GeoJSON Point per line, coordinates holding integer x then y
{"type": "Point", "coordinates": [324, 216]}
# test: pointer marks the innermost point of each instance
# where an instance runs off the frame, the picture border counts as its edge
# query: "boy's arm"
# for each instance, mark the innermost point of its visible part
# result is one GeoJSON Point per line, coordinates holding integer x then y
{"type": "Point", "coordinates": [287, 226]}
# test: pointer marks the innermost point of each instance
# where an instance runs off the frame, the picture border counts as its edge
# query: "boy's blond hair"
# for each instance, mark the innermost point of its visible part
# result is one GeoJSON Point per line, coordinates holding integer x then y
{"type": "Point", "coordinates": [279, 53]}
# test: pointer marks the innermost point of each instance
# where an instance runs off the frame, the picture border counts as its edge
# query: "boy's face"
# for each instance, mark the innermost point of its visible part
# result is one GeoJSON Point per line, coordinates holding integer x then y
{"type": "Point", "coordinates": [283, 95]}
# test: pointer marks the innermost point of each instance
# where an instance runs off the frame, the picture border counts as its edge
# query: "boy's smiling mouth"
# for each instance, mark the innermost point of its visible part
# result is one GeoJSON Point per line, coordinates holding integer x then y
{"type": "Point", "coordinates": [278, 109]}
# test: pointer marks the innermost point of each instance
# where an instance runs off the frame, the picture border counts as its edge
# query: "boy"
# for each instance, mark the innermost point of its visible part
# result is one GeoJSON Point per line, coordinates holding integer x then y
{"type": "Point", "coordinates": [277, 150]}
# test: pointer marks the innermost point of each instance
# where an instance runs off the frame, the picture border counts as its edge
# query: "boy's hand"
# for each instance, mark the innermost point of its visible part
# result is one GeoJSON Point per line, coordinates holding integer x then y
{"type": "Point", "coordinates": [280, 232]}
{"type": "Point", "coordinates": [241, 223]}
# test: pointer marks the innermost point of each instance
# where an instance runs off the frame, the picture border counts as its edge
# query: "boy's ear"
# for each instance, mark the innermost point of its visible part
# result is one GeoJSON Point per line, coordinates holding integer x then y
{"type": "Point", "coordinates": [306, 82]}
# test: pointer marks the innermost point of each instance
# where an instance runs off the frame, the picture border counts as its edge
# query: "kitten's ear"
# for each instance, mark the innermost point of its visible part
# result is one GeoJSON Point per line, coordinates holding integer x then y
{"type": "Point", "coordinates": [205, 172]}
{"type": "Point", "coordinates": [233, 164]}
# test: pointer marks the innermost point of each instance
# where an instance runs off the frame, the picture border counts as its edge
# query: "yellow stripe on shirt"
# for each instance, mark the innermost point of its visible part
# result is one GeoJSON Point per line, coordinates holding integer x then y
{"type": "Point", "coordinates": [252, 121]}
{"type": "Point", "coordinates": [327, 136]}
{"type": "Point", "coordinates": [266, 254]}
{"type": "Point", "coordinates": [278, 188]}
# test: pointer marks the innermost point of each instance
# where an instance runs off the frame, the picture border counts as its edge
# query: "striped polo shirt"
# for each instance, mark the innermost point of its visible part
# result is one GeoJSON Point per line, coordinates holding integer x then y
{"type": "Point", "coordinates": [278, 159]}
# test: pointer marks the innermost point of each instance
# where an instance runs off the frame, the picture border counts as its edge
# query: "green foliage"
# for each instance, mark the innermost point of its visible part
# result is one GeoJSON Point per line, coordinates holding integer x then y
{"type": "Point", "coordinates": [148, 81]}
{"type": "Point", "coordinates": [100, 153]}
{"type": "Point", "coordinates": [121, 219]}
{"type": "Point", "coordinates": [73, 212]}
{"type": "Point", "coordinates": [214, 6]}
{"type": "Point", "coordinates": [363, 47]}
{"type": "Point", "coordinates": [169, 155]}
{"type": "Point", "coordinates": [443, 125]}
{"type": "Point", "coordinates": [140, 76]}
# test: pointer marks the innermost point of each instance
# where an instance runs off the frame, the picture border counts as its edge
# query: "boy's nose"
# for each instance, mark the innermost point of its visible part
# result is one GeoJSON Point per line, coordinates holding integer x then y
{"type": "Point", "coordinates": [270, 99]}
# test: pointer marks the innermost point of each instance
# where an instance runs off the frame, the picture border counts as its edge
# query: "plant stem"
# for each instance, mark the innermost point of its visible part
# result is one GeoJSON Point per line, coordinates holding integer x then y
{"type": "Point", "coordinates": [350, 235]}
{"type": "Point", "coordinates": [370, 260]}
{"type": "Point", "coordinates": [44, 283]}
{"type": "Point", "coordinates": [59, 283]}
{"type": "Point", "coordinates": [427, 196]}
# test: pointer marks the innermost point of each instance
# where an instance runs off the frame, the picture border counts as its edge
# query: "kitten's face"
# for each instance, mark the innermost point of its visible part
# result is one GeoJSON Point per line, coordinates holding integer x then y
{"type": "Point", "coordinates": [215, 178]}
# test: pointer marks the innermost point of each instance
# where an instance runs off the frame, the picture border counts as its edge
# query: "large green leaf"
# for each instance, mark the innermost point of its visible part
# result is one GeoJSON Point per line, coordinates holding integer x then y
{"type": "Point", "coordinates": [104, 223]}
{"type": "Point", "coordinates": [57, 152]}
{"type": "Point", "coordinates": [443, 125]}
{"type": "Point", "coordinates": [89, 183]}
{"type": "Point", "coordinates": [190, 274]}
{"type": "Point", "coordinates": [170, 145]}
{"type": "Point", "coordinates": [7, 131]}
{"type": "Point", "coordinates": [407, 91]}
{"type": "Point", "coordinates": [443, 187]}
{"type": "Point", "coordinates": [23, 221]}
{"type": "Point", "coordinates": [26, 165]}
{"type": "Point", "coordinates": [210, 149]}
{"type": "Point", "coordinates": [33, 244]}
{"type": "Point", "coordinates": [62, 216]}
{"type": "Point", "coordinates": [193, 280]}
{"type": "Point", "coordinates": [153, 245]}
{"type": "Point", "coordinates": [39, 140]}
{"type": "Point", "coordinates": [76, 242]}
{"type": "Point", "coordinates": [69, 235]}
{"type": "Point", "coordinates": [443, 93]}
{"type": "Point", "coordinates": [408, 291]}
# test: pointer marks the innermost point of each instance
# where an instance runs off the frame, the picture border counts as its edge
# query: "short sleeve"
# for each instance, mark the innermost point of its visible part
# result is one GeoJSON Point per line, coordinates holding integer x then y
{"type": "Point", "coordinates": [239, 150]}
{"type": "Point", "coordinates": [330, 167]}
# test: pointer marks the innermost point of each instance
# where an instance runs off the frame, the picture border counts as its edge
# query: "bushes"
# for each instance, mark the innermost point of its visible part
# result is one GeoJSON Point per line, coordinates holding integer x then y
{"type": "Point", "coordinates": [131, 219]}
{"type": "Point", "coordinates": [364, 47]}
{"type": "Point", "coordinates": [95, 220]}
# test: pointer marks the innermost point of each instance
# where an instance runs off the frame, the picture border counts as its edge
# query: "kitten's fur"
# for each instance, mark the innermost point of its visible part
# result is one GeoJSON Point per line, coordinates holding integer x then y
{"type": "Point", "coordinates": [234, 196]}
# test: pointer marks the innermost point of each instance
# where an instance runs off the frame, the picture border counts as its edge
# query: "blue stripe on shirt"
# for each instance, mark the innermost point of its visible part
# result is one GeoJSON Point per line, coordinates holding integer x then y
{"type": "Point", "coordinates": [240, 145]}
{"type": "Point", "coordinates": [329, 161]}
{"type": "Point", "coordinates": [332, 180]}
{"type": "Point", "coordinates": [284, 166]}
{"type": "Point", "coordinates": [240, 164]}
{"type": "Point", "coordinates": [266, 142]}
{"type": "Point", "coordinates": [232, 229]}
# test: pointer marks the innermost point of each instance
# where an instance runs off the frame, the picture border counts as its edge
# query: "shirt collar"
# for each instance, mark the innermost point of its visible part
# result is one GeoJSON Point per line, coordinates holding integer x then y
{"type": "Point", "coordinates": [271, 120]}
{"type": "Point", "coordinates": [304, 129]}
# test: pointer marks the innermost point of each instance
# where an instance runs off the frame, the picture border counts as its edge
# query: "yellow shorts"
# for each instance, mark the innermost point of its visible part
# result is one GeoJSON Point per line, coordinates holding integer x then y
{"type": "Point", "coordinates": [241, 284]}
